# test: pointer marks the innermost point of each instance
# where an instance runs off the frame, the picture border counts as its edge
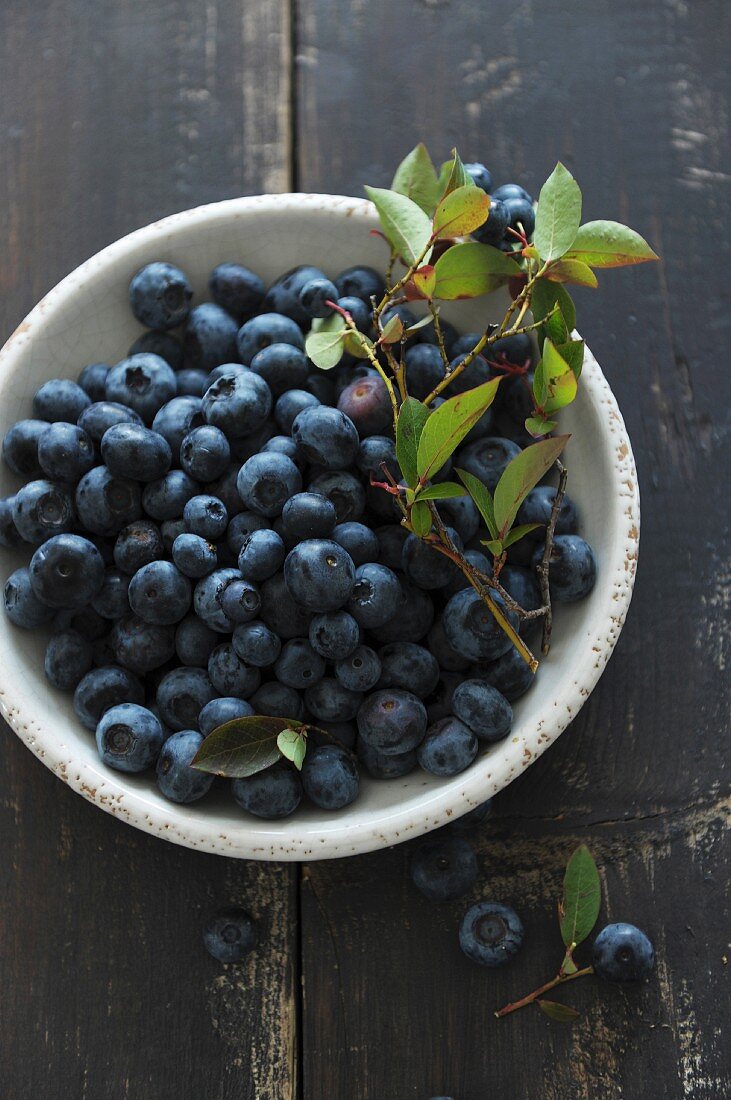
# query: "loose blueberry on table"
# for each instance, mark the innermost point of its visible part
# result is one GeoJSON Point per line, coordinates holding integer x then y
{"type": "Point", "coordinates": [297, 516]}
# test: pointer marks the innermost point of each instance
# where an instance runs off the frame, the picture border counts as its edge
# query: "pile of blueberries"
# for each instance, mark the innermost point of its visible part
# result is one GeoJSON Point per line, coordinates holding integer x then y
{"type": "Point", "coordinates": [207, 544]}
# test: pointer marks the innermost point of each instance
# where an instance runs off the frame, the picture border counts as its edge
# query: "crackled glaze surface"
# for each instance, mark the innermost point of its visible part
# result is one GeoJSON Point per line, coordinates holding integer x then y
{"type": "Point", "coordinates": [86, 318]}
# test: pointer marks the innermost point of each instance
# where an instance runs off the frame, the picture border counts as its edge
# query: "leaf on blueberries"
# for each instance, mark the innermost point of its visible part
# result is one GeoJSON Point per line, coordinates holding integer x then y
{"type": "Point", "coordinates": [453, 174]}
{"type": "Point", "coordinates": [609, 244]}
{"type": "Point", "coordinates": [562, 1014]}
{"type": "Point", "coordinates": [515, 534]}
{"type": "Point", "coordinates": [423, 282]}
{"type": "Point", "coordinates": [539, 425]}
{"type": "Point", "coordinates": [449, 424]}
{"type": "Point", "coordinates": [495, 546]}
{"type": "Point", "coordinates": [421, 518]}
{"type": "Point", "coordinates": [572, 271]}
{"type": "Point", "coordinates": [393, 330]}
{"type": "Point", "coordinates": [324, 344]}
{"type": "Point", "coordinates": [460, 212]}
{"type": "Point", "coordinates": [421, 323]}
{"type": "Point", "coordinates": [573, 352]}
{"type": "Point", "coordinates": [413, 415]}
{"type": "Point", "coordinates": [545, 295]}
{"type": "Point", "coordinates": [242, 746]}
{"type": "Point", "coordinates": [521, 475]}
{"type": "Point", "coordinates": [582, 897]}
{"type": "Point", "coordinates": [557, 380]}
{"type": "Point", "coordinates": [293, 746]}
{"type": "Point", "coordinates": [558, 214]}
{"type": "Point", "coordinates": [470, 269]}
{"type": "Point", "coordinates": [482, 497]}
{"type": "Point", "coordinates": [442, 491]}
{"type": "Point", "coordinates": [416, 178]}
{"type": "Point", "coordinates": [407, 227]}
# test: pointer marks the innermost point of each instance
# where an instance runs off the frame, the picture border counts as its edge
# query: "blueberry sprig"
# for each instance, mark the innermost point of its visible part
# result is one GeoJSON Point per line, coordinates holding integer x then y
{"type": "Point", "coordinates": [457, 237]}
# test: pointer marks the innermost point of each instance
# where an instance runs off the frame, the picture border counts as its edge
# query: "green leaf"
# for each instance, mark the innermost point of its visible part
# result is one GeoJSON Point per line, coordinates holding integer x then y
{"type": "Point", "coordinates": [609, 244]}
{"type": "Point", "coordinates": [519, 532]}
{"type": "Point", "coordinates": [495, 546]}
{"type": "Point", "coordinates": [538, 425]}
{"type": "Point", "coordinates": [572, 271]}
{"type": "Point", "coordinates": [442, 491]}
{"type": "Point", "coordinates": [416, 178]}
{"type": "Point", "coordinates": [324, 344]}
{"type": "Point", "coordinates": [449, 424]}
{"type": "Point", "coordinates": [411, 420]}
{"type": "Point", "coordinates": [545, 295]}
{"type": "Point", "coordinates": [453, 174]}
{"type": "Point", "coordinates": [293, 746]}
{"type": "Point", "coordinates": [460, 212]}
{"type": "Point", "coordinates": [407, 227]}
{"type": "Point", "coordinates": [242, 746]}
{"type": "Point", "coordinates": [424, 281]}
{"type": "Point", "coordinates": [521, 475]}
{"type": "Point", "coordinates": [562, 1014]}
{"type": "Point", "coordinates": [421, 518]}
{"type": "Point", "coordinates": [582, 897]}
{"type": "Point", "coordinates": [393, 330]}
{"type": "Point", "coordinates": [482, 498]}
{"type": "Point", "coordinates": [558, 214]}
{"type": "Point", "coordinates": [357, 345]}
{"type": "Point", "coordinates": [557, 377]}
{"type": "Point", "coordinates": [470, 269]}
{"type": "Point", "coordinates": [421, 323]}
{"type": "Point", "coordinates": [573, 352]}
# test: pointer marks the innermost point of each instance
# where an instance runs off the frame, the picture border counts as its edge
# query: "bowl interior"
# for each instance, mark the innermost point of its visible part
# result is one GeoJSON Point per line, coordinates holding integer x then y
{"type": "Point", "coordinates": [86, 318]}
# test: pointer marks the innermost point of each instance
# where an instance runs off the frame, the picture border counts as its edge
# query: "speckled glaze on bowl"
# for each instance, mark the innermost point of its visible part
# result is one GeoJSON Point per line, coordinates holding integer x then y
{"type": "Point", "coordinates": [86, 318]}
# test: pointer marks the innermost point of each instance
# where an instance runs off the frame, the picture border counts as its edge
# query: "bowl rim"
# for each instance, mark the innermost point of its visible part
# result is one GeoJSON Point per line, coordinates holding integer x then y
{"type": "Point", "coordinates": [340, 837]}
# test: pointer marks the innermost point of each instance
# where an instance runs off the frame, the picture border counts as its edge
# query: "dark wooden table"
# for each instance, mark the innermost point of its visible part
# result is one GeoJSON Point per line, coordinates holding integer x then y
{"type": "Point", "coordinates": [117, 112]}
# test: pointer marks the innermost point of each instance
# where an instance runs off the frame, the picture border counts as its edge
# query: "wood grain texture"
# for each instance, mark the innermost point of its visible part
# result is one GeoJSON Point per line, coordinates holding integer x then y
{"type": "Point", "coordinates": [112, 115]}
{"type": "Point", "coordinates": [634, 99]}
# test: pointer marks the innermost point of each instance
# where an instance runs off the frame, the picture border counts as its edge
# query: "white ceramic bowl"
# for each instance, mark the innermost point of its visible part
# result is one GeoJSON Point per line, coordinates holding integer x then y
{"type": "Point", "coordinates": [86, 318]}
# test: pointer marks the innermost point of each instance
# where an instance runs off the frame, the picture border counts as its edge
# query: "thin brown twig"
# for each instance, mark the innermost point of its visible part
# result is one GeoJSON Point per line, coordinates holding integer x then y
{"type": "Point", "coordinates": [561, 979]}
{"type": "Point", "coordinates": [543, 567]}
{"type": "Point", "coordinates": [438, 332]}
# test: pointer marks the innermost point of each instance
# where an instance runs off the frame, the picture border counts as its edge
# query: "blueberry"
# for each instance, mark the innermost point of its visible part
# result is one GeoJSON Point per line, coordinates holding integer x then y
{"type": "Point", "coordinates": [273, 793]}
{"type": "Point", "coordinates": [359, 310]}
{"type": "Point", "coordinates": [60, 399]}
{"type": "Point", "coordinates": [366, 403]}
{"type": "Point", "coordinates": [278, 701]}
{"type": "Point", "coordinates": [65, 452]}
{"type": "Point", "coordinates": [319, 574]}
{"type": "Point", "coordinates": [266, 329]}
{"type": "Point", "coordinates": [427, 335]}
{"type": "Point", "coordinates": [103, 688]}
{"type": "Point", "coordinates": [229, 675]}
{"type": "Point", "coordinates": [424, 369]}
{"type": "Point", "coordinates": [194, 641]}
{"type": "Point", "coordinates": [9, 534]}
{"type": "Point", "coordinates": [205, 453]}
{"type": "Point", "coordinates": [358, 540]}
{"type": "Point", "coordinates": [375, 595]}
{"type": "Point", "coordinates": [181, 695]}
{"type": "Point", "coordinates": [133, 451]}
{"type": "Point", "coordinates": [22, 606]}
{"type": "Point", "coordinates": [159, 593]}
{"type": "Point", "coordinates": [262, 553]}
{"type": "Point", "coordinates": [143, 382]}
{"type": "Point", "coordinates": [481, 707]}
{"type": "Point", "coordinates": [266, 481]}
{"type": "Point", "coordinates": [480, 176]}
{"type": "Point", "coordinates": [210, 336]}
{"type": "Point", "coordinates": [42, 509]}
{"type": "Point", "coordinates": [509, 674]}
{"type": "Point", "coordinates": [241, 526]}
{"type": "Point", "coordinates": [345, 733]}
{"type": "Point", "coordinates": [166, 497]}
{"type": "Point", "coordinates": [207, 599]}
{"type": "Point", "coordinates": [111, 600]}
{"type": "Point", "coordinates": [412, 618]}
{"type": "Point", "coordinates": [622, 953]}
{"type": "Point", "coordinates": [572, 568]}
{"type": "Point", "coordinates": [96, 419]}
{"type": "Point", "coordinates": [256, 644]}
{"type": "Point", "coordinates": [360, 671]}
{"type": "Point", "coordinates": [283, 296]}
{"type": "Point", "coordinates": [516, 349]}
{"type": "Point", "coordinates": [68, 658]}
{"type": "Point", "coordinates": [492, 231]}
{"type": "Point", "coordinates": [129, 738]}
{"type": "Point", "coordinates": [20, 447]}
{"type": "Point", "coordinates": [237, 403]}
{"type": "Point", "coordinates": [159, 343]}
{"type": "Point", "coordinates": [392, 721]}
{"type": "Point", "coordinates": [92, 380]}
{"type": "Point", "coordinates": [84, 620]}
{"type": "Point", "coordinates": [290, 404]}
{"type": "Point", "coordinates": [380, 766]}
{"type": "Point", "coordinates": [308, 516]}
{"type": "Point", "coordinates": [230, 936]}
{"type": "Point", "coordinates": [206, 516]}
{"type": "Point", "coordinates": [374, 452]}
{"type": "Point", "coordinates": [326, 436]}
{"type": "Point", "coordinates": [472, 818]}
{"type": "Point", "coordinates": [222, 710]}
{"type": "Point", "coordinates": [490, 933]}
{"type": "Point", "coordinates": [475, 374]}
{"type": "Point", "coordinates": [444, 868]}
{"type": "Point", "coordinates": [176, 418]}
{"type": "Point", "coordinates": [177, 780]}
{"type": "Point", "coordinates": [537, 506]}
{"type": "Point", "coordinates": [334, 635]}
{"type": "Point", "coordinates": [282, 366]}
{"type": "Point", "coordinates": [425, 566]}
{"type": "Point", "coordinates": [240, 601]}
{"type": "Point", "coordinates": [408, 318]}
{"type": "Point", "coordinates": [315, 294]}
{"type": "Point", "coordinates": [322, 386]}
{"type": "Point", "coordinates": [410, 666]}
{"type": "Point", "coordinates": [137, 544]}
{"type": "Point", "coordinates": [191, 382]}
{"type": "Point", "coordinates": [280, 611]}
{"type": "Point", "coordinates": [487, 458]}
{"type": "Point", "coordinates": [193, 555]}
{"type": "Point", "coordinates": [511, 191]}
{"type": "Point", "coordinates": [521, 215]}
{"type": "Point", "coordinates": [360, 282]}
{"type": "Point", "coordinates": [471, 628]}
{"type": "Point", "coordinates": [141, 646]}
{"type": "Point", "coordinates": [344, 490]}
{"type": "Point", "coordinates": [522, 586]}
{"type": "Point", "coordinates": [160, 295]}
{"type": "Point", "coordinates": [461, 514]}
{"type": "Point", "coordinates": [285, 445]}
{"type": "Point", "coordinates": [66, 571]}
{"type": "Point", "coordinates": [236, 289]}
{"type": "Point", "coordinates": [299, 665]}
{"type": "Point", "coordinates": [331, 702]}
{"type": "Point", "coordinates": [448, 747]}
{"type": "Point", "coordinates": [330, 777]}
{"type": "Point", "coordinates": [391, 539]}
{"type": "Point", "coordinates": [458, 581]}
{"type": "Point", "coordinates": [517, 394]}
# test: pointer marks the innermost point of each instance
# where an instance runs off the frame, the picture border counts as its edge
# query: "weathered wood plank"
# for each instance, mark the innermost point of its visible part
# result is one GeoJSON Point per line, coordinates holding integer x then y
{"type": "Point", "coordinates": [634, 99]}
{"type": "Point", "coordinates": [111, 116]}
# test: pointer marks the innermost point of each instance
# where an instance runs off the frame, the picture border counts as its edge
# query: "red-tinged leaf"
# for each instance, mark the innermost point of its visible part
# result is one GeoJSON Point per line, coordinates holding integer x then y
{"type": "Point", "coordinates": [449, 424]}
{"type": "Point", "coordinates": [393, 330]}
{"type": "Point", "coordinates": [520, 476]}
{"type": "Point", "coordinates": [470, 269]}
{"type": "Point", "coordinates": [425, 280]}
{"type": "Point", "coordinates": [242, 746]}
{"type": "Point", "coordinates": [572, 271]}
{"type": "Point", "coordinates": [561, 1014]}
{"type": "Point", "coordinates": [538, 426]}
{"type": "Point", "coordinates": [461, 212]}
{"type": "Point", "coordinates": [609, 244]}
